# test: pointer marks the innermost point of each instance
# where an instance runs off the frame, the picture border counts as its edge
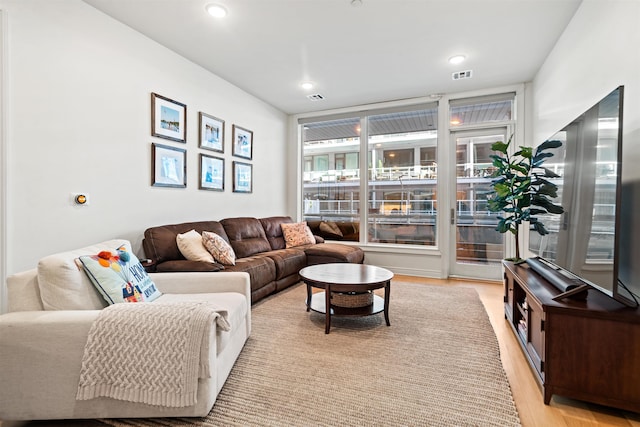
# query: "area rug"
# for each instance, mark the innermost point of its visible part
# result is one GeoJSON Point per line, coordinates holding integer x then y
{"type": "Point", "coordinates": [438, 364]}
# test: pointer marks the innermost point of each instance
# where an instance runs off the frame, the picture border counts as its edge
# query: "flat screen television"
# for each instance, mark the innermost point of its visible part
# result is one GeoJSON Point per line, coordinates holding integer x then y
{"type": "Point", "coordinates": [589, 243]}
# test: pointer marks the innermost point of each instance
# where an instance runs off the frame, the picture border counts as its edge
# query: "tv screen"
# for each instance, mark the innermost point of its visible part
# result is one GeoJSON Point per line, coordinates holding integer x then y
{"type": "Point", "coordinates": [582, 240]}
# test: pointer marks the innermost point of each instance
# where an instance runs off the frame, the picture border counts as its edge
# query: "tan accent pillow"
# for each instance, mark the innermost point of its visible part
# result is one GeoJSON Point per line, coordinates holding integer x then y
{"type": "Point", "coordinates": [330, 228]}
{"type": "Point", "coordinates": [219, 248]}
{"type": "Point", "coordinates": [191, 247]}
{"type": "Point", "coordinates": [297, 234]}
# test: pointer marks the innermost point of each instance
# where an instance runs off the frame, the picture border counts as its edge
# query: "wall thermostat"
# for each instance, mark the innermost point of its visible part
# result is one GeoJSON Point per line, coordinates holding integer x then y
{"type": "Point", "coordinates": [81, 199]}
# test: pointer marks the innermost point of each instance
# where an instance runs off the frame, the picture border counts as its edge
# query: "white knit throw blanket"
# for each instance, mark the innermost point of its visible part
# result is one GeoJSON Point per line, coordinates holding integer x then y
{"type": "Point", "coordinates": [150, 353]}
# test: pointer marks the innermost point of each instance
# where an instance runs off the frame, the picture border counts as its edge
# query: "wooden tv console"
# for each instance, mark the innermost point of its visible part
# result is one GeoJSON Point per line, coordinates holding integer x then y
{"type": "Point", "coordinates": [583, 349]}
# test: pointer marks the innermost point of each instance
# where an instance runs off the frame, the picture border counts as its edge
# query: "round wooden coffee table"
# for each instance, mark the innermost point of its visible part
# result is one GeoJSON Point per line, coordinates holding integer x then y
{"type": "Point", "coordinates": [346, 278]}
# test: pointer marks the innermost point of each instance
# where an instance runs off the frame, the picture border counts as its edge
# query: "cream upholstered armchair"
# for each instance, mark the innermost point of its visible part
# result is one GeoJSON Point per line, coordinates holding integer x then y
{"type": "Point", "coordinates": [51, 309]}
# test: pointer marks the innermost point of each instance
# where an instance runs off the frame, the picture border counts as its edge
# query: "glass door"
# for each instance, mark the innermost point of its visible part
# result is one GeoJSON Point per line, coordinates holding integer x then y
{"type": "Point", "coordinates": [477, 248]}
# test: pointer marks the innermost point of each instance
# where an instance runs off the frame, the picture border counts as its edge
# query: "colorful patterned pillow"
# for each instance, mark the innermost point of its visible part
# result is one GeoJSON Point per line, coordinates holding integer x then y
{"type": "Point", "coordinates": [297, 234]}
{"type": "Point", "coordinates": [192, 247]}
{"type": "Point", "coordinates": [119, 276]}
{"type": "Point", "coordinates": [219, 248]}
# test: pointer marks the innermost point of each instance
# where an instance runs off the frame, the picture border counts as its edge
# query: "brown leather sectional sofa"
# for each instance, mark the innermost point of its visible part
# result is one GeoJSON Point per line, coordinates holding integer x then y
{"type": "Point", "coordinates": [259, 247]}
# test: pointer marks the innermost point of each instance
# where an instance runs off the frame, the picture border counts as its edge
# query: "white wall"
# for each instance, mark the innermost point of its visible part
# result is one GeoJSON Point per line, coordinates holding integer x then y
{"type": "Point", "coordinates": [597, 52]}
{"type": "Point", "coordinates": [78, 102]}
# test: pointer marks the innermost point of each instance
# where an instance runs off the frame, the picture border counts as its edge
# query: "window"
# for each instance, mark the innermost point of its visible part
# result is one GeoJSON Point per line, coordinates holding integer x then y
{"type": "Point", "coordinates": [400, 176]}
{"type": "Point", "coordinates": [331, 189]}
{"type": "Point", "coordinates": [483, 110]}
{"type": "Point", "coordinates": [346, 161]}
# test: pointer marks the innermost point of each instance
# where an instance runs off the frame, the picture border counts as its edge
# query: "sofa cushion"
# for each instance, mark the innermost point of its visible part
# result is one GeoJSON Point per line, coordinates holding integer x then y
{"type": "Point", "coordinates": [192, 247]}
{"type": "Point", "coordinates": [246, 236]}
{"type": "Point", "coordinates": [218, 247]}
{"type": "Point", "coordinates": [64, 285]}
{"type": "Point", "coordinates": [288, 261]}
{"type": "Point", "coordinates": [297, 234]}
{"type": "Point", "coordinates": [273, 230]}
{"type": "Point", "coordinates": [160, 242]}
{"type": "Point", "coordinates": [234, 302]}
{"type": "Point", "coordinates": [119, 276]}
{"type": "Point", "coordinates": [261, 269]}
{"type": "Point", "coordinates": [333, 252]}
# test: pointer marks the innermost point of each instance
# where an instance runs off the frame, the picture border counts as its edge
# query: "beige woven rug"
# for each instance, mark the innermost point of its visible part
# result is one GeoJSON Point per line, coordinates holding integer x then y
{"type": "Point", "coordinates": [438, 364]}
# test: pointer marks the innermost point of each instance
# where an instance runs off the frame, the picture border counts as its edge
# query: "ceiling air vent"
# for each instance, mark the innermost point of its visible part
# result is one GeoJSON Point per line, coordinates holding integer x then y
{"type": "Point", "coordinates": [315, 97]}
{"type": "Point", "coordinates": [462, 75]}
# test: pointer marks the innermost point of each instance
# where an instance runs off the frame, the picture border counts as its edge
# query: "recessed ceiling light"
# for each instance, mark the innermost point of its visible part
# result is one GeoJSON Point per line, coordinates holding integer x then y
{"type": "Point", "coordinates": [216, 10]}
{"type": "Point", "coordinates": [356, 3]}
{"type": "Point", "coordinates": [306, 85]}
{"type": "Point", "coordinates": [457, 59]}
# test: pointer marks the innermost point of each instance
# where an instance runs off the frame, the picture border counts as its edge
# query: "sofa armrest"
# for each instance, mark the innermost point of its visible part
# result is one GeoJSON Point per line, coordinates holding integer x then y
{"type": "Point", "coordinates": [41, 351]}
{"type": "Point", "coordinates": [40, 362]}
{"type": "Point", "coordinates": [203, 283]}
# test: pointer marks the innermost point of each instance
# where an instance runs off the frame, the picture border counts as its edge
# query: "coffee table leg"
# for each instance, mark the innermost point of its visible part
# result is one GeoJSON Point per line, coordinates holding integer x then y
{"type": "Point", "coordinates": [308, 296]}
{"type": "Point", "coordinates": [327, 309]}
{"type": "Point", "coordinates": [387, 289]}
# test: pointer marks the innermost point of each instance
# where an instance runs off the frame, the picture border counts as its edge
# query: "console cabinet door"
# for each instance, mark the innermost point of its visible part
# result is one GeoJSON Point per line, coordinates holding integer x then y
{"type": "Point", "coordinates": [508, 296]}
{"type": "Point", "coordinates": [535, 345]}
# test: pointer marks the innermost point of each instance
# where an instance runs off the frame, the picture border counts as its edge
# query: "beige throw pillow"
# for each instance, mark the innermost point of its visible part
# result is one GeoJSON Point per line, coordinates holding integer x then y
{"type": "Point", "coordinates": [219, 248]}
{"type": "Point", "coordinates": [297, 234]}
{"type": "Point", "coordinates": [191, 247]}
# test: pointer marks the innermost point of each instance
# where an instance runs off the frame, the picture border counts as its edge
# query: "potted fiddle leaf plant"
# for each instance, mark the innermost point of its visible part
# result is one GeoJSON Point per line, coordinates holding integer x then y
{"type": "Point", "coordinates": [522, 188]}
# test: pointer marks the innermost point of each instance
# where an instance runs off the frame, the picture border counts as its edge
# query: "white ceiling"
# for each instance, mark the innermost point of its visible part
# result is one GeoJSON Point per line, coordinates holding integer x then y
{"type": "Point", "coordinates": [381, 51]}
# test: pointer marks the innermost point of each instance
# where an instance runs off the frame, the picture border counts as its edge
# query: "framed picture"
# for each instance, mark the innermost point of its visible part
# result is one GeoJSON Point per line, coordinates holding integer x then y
{"type": "Point", "coordinates": [168, 166]}
{"type": "Point", "coordinates": [168, 118]}
{"type": "Point", "coordinates": [211, 133]}
{"type": "Point", "coordinates": [242, 142]}
{"type": "Point", "coordinates": [211, 173]}
{"type": "Point", "coordinates": [242, 177]}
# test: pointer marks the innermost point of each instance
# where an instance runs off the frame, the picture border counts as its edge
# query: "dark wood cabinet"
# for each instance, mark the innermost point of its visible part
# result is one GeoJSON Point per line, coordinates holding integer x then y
{"type": "Point", "coordinates": [586, 349]}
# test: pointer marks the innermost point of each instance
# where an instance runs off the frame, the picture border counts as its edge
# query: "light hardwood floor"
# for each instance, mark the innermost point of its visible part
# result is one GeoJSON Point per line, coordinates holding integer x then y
{"type": "Point", "coordinates": [527, 395]}
{"type": "Point", "coordinates": [561, 412]}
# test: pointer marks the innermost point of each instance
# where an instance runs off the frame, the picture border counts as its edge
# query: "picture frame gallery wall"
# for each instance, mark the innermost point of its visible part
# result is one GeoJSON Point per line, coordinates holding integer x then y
{"type": "Point", "coordinates": [169, 163]}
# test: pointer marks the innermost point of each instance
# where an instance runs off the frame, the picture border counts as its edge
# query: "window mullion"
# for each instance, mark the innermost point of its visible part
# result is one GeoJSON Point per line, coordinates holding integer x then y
{"type": "Point", "coordinates": [364, 177]}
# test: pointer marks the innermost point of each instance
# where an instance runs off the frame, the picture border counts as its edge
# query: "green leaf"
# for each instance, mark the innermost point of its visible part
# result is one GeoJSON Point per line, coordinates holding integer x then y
{"type": "Point", "coordinates": [519, 168]}
{"type": "Point", "coordinates": [535, 211]}
{"type": "Point", "coordinates": [502, 189]}
{"type": "Point", "coordinates": [548, 189]}
{"type": "Point", "coordinates": [526, 152]}
{"type": "Point", "coordinates": [500, 147]}
{"type": "Point", "coordinates": [502, 226]}
{"type": "Point", "coordinates": [539, 159]}
{"type": "Point", "coordinates": [545, 203]}
{"type": "Point", "coordinates": [548, 145]}
{"type": "Point", "coordinates": [549, 173]}
{"type": "Point", "coordinates": [524, 202]}
{"type": "Point", "coordinates": [539, 181]}
{"type": "Point", "coordinates": [539, 227]}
